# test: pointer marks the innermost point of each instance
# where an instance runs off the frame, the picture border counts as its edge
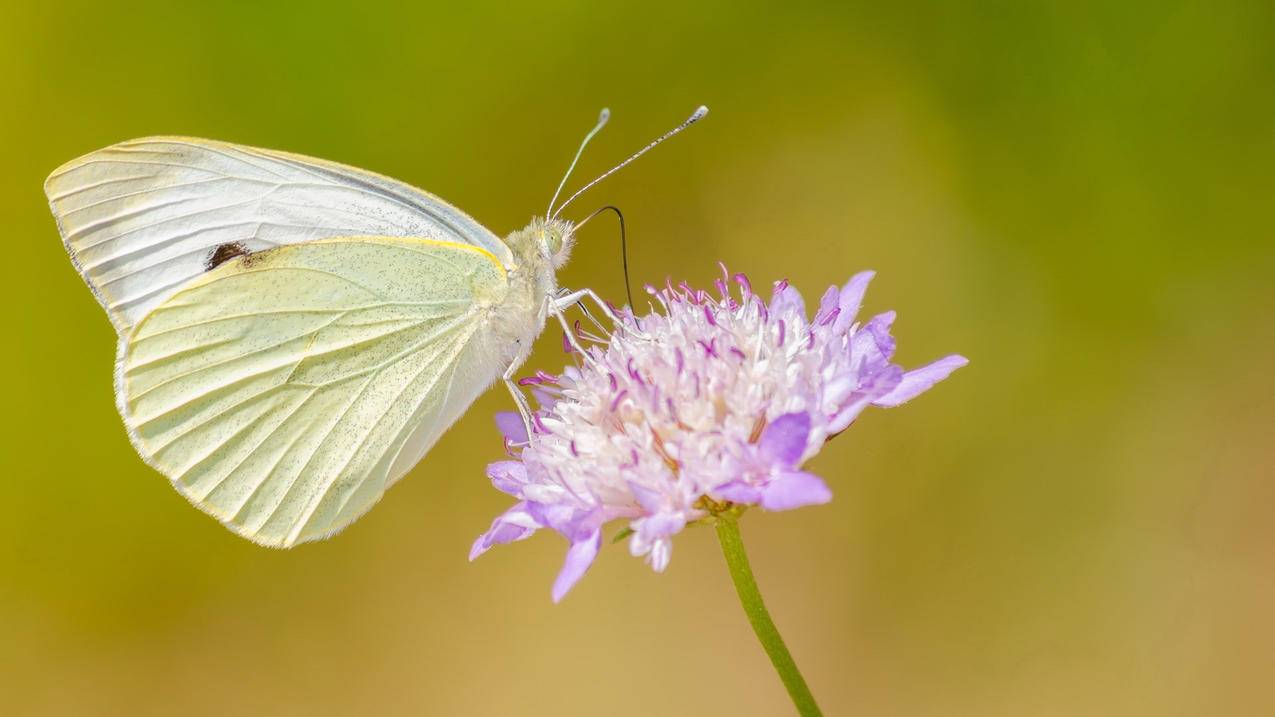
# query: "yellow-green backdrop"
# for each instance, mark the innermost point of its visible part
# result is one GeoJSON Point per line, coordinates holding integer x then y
{"type": "Point", "coordinates": [1077, 196]}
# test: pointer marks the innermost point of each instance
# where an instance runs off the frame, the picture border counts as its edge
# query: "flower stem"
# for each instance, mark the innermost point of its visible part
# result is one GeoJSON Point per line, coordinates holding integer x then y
{"type": "Point", "coordinates": [755, 609]}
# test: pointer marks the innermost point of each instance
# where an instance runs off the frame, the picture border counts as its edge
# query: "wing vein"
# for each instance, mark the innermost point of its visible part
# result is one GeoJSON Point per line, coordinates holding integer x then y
{"type": "Point", "coordinates": [240, 357]}
{"type": "Point", "coordinates": [97, 185]}
{"type": "Point", "coordinates": [269, 434]}
{"type": "Point", "coordinates": [358, 396]}
{"type": "Point", "coordinates": [303, 518]}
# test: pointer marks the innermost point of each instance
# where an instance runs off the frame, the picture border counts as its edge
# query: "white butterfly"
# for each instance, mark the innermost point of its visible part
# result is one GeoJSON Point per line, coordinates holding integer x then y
{"type": "Point", "coordinates": [295, 334]}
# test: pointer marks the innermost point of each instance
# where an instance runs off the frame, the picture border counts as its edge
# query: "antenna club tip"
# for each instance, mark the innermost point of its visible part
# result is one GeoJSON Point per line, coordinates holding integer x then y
{"type": "Point", "coordinates": [604, 115]}
{"type": "Point", "coordinates": [700, 112]}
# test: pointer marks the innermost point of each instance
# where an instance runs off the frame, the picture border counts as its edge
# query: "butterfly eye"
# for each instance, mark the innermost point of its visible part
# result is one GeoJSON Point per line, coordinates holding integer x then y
{"type": "Point", "coordinates": [552, 240]}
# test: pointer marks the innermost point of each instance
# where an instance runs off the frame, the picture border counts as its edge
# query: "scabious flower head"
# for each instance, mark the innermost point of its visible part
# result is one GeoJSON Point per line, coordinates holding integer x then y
{"type": "Point", "coordinates": [709, 402]}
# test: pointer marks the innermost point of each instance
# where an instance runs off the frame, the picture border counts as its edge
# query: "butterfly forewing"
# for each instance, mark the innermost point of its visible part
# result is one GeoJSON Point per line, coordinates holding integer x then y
{"type": "Point", "coordinates": [285, 390]}
{"type": "Point", "coordinates": [142, 218]}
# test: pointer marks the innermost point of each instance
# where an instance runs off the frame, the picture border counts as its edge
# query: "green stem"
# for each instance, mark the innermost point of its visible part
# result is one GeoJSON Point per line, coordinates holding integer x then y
{"type": "Point", "coordinates": [750, 598]}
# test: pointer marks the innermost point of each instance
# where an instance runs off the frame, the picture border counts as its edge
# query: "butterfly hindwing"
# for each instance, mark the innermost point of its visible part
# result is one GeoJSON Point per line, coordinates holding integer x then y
{"type": "Point", "coordinates": [284, 390]}
{"type": "Point", "coordinates": [143, 217]}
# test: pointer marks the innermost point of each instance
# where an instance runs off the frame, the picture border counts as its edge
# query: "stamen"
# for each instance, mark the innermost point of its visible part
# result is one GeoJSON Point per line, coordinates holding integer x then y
{"type": "Point", "coordinates": [758, 426]}
{"type": "Point", "coordinates": [618, 397]}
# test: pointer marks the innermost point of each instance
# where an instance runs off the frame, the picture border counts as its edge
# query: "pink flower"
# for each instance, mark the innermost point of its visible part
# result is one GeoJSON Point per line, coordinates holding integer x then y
{"type": "Point", "coordinates": [713, 402]}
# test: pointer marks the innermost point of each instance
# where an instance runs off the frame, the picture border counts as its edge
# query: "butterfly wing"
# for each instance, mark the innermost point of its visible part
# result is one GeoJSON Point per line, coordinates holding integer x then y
{"type": "Point", "coordinates": [141, 218]}
{"type": "Point", "coordinates": [283, 391]}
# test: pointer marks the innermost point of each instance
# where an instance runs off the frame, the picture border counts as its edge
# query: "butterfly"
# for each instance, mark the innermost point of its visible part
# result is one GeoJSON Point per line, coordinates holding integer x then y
{"type": "Point", "coordinates": [295, 334]}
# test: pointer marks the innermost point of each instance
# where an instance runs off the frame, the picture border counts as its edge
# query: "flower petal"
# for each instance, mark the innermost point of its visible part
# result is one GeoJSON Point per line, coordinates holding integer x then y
{"type": "Point", "coordinates": [649, 500]}
{"type": "Point", "coordinates": [852, 299]}
{"type": "Point", "coordinates": [830, 301]}
{"type": "Point", "coordinates": [737, 491]}
{"type": "Point", "coordinates": [660, 525]}
{"type": "Point", "coordinates": [871, 344]}
{"type": "Point", "coordinates": [919, 380]}
{"type": "Point", "coordinates": [514, 524]}
{"type": "Point", "coordinates": [546, 401]}
{"type": "Point", "coordinates": [579, 557]}
{"type": "Point", "coordinates": [511, 426]}
{"type": "Point", "coordinates": [794, 490]}
{"type": "Point", "coordinates": [874, 386]}
{"type": "Point", "coordinates": [661, 551]}
{"type": "Point", "coordinates": [787, 300]}
{"type": "Point", "coordinates": [558, 515]}
{"type": "Point", "coordinates": [783, 441]}
{"type": "Point", "coordinates": [879, 328]}
{"type": "Point", "coordinates": [508, 477]}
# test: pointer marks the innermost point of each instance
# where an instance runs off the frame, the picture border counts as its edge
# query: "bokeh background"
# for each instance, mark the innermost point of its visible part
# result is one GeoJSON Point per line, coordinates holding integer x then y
{"type": "Point", "coordinates": [1075, 195]}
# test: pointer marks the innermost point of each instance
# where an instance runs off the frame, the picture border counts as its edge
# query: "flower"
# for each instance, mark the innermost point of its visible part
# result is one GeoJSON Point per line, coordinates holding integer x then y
{"type": "Point", "coordinates": [709, 403]}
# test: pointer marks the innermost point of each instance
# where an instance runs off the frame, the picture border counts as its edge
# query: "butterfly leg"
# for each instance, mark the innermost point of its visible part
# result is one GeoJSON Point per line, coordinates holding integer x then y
{"type": "Point", "coordinates": [584, 310]}
{"type": "Point", "coordinates": [520, 399]}
{"type": "Point", "coordinates": [577, 296]}
{"type": "Point", "coordinates": [555, 308]}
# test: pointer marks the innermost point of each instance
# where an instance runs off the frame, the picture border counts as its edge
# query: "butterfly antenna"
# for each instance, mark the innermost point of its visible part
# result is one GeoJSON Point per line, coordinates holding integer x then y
{"type": "Point", "coordinates": [603, 116]}
{"type": "Point", "coordinates": [624, 245]}
{"type": "Point", "coordinates": [696, 117]}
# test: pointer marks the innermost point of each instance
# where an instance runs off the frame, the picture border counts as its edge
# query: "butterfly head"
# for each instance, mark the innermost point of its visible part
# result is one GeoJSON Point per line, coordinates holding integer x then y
{"type": "Point", "coordinates": [555, 237]}
{"type": "Point", "coordinates": [544, 245]}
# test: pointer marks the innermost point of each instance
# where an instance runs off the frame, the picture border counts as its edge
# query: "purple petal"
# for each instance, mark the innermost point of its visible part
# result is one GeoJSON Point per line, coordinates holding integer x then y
{"type": "Point", "coordinates": [579, 557]}
{"type": "Point", "coordinates": [514, 524]}
{"type": "Point", "coordinates": [650, 500]}
{"type": "Point", "coordinates": [661, 551]}
{"type": "Point", "coordinates": [787, 300]}
{"type": "Point", "coordinates": [565, 519]}
{"type": "Point", "coordinates": [511, 426]}
{"type": "Point", "coordinates": [879, 328]}
{"type": "Point", "coordinates": [508, 477]}
{"type": "Point", "coordinates": [852, 299]}
{"type": "Point", "coordinates": [875, 385]}
{"type": "Point", "coordinates": [871, 345]}
{"type": "Point", "coordinates": [544, 398]}
{"type": "Point", "coordinates": [737, 491]}
{"type": "Point", "coordinates": [784, 440]}
{"type": "Point", "coordinates": [837, 391]}
{"type": "Point", "coordinates": [794, 490]}
{"type": "Point", "coordinates": [828, 302]}
{"type": "Point", "coordinates": [919, 380]}
{"type": "Point", "coordinates": [660, 525]}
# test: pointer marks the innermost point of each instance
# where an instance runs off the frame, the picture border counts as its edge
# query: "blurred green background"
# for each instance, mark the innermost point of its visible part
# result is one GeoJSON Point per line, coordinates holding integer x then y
{"type": "Point", "coordinates": [1074, 195]}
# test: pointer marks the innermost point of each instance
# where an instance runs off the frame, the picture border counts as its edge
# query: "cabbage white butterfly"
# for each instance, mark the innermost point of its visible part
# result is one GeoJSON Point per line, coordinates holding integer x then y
{"type": "Point", "coordinates": [295, 334]}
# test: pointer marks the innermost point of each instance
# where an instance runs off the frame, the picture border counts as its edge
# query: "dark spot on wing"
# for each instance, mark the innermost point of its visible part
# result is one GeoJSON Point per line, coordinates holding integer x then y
{"type": "Point", "coordinates": [251, 258]}
{"type": "Point", "coordinates": [224, 253]}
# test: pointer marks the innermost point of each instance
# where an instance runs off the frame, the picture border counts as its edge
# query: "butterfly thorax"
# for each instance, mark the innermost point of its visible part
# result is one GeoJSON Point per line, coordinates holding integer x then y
{"type": "Point", "coordinates": [538, 251]}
